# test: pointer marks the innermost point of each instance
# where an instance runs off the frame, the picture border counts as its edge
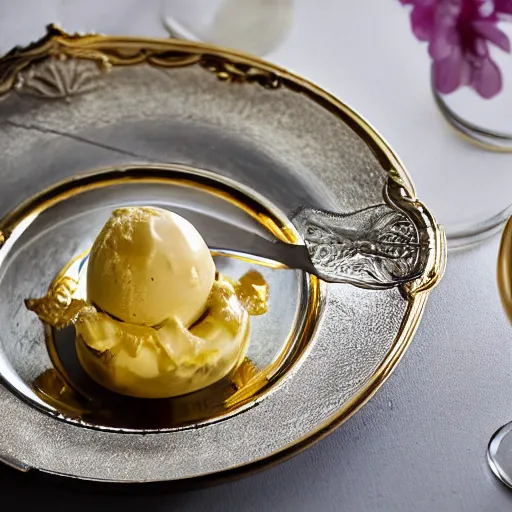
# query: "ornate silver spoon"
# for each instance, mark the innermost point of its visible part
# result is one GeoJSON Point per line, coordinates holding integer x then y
{"type": "Point", "coordinates": [378, 247]}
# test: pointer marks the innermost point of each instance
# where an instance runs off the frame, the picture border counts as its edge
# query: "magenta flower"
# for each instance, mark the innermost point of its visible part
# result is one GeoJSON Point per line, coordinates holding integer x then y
{"type": "Point", "coordinates": [458, 33]}
{"type": "Point", "coordinates": [503, 7]}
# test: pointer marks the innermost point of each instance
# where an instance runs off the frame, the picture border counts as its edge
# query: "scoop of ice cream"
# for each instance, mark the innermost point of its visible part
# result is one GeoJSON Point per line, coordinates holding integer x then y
{"type": "Point", "coordinates": [149, 264]}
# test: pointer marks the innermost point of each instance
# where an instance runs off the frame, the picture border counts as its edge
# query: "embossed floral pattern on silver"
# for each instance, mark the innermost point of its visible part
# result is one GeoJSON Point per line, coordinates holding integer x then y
{"type": "Point", "coordinates": [60, 78]}
{"type": "Point", "coordinates": [376, 247]}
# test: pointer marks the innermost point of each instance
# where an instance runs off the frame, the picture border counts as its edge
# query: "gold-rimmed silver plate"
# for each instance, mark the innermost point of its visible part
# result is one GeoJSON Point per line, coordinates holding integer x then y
{"type": "Point", "coordinates": [88, 123]}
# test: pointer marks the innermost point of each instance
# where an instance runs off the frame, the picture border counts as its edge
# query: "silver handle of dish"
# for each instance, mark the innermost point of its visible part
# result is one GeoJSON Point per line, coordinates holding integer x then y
{"type": "Point", "coordinates": [382, 246]}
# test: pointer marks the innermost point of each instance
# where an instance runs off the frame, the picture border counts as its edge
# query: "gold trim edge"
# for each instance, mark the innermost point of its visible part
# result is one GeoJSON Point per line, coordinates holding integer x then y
{"type": "Point", "coordinates": [105, 51]}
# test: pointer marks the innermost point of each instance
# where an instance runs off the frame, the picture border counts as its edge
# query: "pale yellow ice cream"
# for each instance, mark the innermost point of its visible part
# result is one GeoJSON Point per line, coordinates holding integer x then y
{"type": "Point", "coordinates": [153, 319]}
{"type": "Point", "coordinates": [149, 264]}
{"type": "Point", "coordinates": [160, 325]}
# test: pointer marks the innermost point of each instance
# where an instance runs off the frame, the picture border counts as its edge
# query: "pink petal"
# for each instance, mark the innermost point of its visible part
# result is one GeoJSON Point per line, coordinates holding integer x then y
{"type": "Point", "coordinates": [448, 72]}
{"type": "Point", "coordinates": [492, 33]}
{"type": "Point", "coordinates": [440, 46]}
{"type": "Point", "coordinates": [503, 6]}
{"type": "Point", "coordinates": [480, 50]}
{"type": "Point", "coordinates": [466, 73]}
{"type": "Point", "coordinates": [422, 22]}
{"type": "Point", "coordinates": [487, 79]}
{"type": "Point", "coordinates": [446, 34]}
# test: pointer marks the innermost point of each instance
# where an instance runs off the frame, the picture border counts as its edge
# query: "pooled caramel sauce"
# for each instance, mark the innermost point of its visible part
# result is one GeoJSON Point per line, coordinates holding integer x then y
{"type": "Point", "coordinates": [55, 391]}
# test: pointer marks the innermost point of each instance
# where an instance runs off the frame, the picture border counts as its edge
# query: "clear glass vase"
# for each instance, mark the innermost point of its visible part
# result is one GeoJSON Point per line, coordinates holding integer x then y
{"type": "Point", "coordinates": [478, 177]}
{"type": "Point", "coordinates": [254, 26]}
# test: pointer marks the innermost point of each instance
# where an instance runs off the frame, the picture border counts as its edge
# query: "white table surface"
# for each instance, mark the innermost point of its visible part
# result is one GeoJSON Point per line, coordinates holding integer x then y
{"type": "Point", "coordinates": [420, 444]}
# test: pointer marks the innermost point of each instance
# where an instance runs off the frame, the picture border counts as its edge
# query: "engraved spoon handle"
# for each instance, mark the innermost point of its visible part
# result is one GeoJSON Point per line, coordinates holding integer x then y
{"type": "Point", "coordinates": [376, 248]}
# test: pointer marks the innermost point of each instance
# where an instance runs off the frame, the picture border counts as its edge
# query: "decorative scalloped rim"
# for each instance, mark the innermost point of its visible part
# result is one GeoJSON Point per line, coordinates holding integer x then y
{"type": "Point", "coordinates": [58, 79]}
{"type": "Point", "coordinates": [106, 53]}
